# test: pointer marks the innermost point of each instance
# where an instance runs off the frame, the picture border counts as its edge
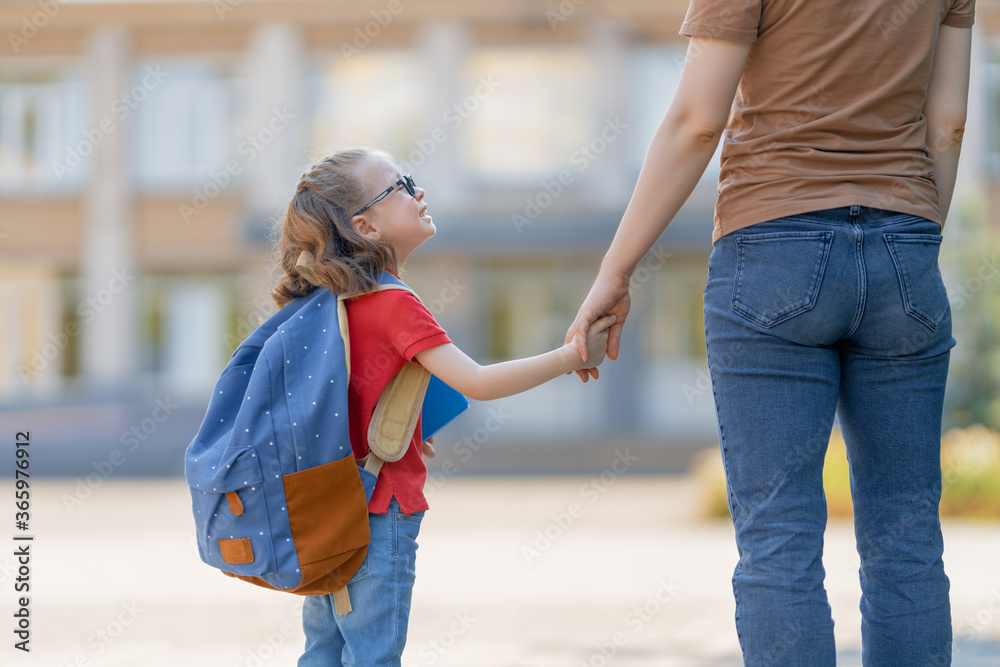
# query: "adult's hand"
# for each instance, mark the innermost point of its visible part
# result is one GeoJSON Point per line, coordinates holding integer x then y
{"type": "Point", "coordinates": [608, 296]}
{"type": "Point", "coordinates": [682, 147]}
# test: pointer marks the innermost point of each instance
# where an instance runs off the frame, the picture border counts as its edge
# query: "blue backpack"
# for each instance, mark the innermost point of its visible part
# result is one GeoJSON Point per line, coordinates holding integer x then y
{"type": "Point", "coordinates": [278, 497]}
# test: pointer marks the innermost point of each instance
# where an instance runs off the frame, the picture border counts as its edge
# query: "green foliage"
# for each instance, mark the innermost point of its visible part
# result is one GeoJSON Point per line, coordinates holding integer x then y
{"type": "Point", "coordinates": [970, 473]}
{"type": "Point", "coordinates": [970, 464]}
{"type": "Point", "coordinates": [970, 265]}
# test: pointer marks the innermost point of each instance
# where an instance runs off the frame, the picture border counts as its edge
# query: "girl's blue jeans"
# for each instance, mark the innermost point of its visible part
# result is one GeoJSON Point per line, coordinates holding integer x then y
{"type": "Point", "coordinates": [841, 311]}
{"type": "Point", "coordinates": [374, 632]}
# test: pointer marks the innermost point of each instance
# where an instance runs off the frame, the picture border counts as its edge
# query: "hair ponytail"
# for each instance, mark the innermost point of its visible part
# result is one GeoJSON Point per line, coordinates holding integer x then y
{"type": "Point", "coordinates": [318, 245]}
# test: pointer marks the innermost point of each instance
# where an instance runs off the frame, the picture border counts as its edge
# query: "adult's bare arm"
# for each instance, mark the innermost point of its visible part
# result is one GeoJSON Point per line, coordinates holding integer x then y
{"type": "Point", "coordinates": [946, 107]}
{"type": "Point", "coordinates": [677, 157]}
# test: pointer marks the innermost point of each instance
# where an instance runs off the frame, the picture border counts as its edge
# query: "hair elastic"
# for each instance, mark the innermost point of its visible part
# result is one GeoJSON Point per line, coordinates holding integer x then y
{"type": "Point", "coordinates": [305, 265]}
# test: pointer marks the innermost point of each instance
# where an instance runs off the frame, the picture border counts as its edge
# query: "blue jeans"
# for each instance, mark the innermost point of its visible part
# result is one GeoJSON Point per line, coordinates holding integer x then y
{"type": "Point", "coordinates": [374, 633]}
{"type": "Point", "coordinates": [837, 311]}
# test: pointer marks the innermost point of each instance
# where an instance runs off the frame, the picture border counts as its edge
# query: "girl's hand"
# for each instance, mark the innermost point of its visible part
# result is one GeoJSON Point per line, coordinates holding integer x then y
{"type": "Point", "coordinates": [428, 451]}
{"type": "Point", "coordinates": [596, 345]}
{"type": "Point", "coordinates": [608, 296]}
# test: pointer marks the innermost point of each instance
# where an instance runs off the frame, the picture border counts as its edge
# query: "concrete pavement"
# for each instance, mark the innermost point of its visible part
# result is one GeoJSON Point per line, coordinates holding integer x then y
{"type": "Point", "coordinates": [512, 572]}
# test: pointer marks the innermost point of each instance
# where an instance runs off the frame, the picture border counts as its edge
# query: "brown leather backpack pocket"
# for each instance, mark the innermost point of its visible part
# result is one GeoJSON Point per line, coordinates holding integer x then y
{"type": "Point", "coordinates": [328, 514]}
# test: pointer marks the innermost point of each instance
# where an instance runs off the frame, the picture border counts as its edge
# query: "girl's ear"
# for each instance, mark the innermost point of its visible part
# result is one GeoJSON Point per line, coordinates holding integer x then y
{"type": "Point", "coordinates": [363, 226]}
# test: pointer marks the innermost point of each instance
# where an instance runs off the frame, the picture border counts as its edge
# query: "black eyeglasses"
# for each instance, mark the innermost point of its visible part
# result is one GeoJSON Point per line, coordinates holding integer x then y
{"type": "Point", "coordinates": [405, 181]}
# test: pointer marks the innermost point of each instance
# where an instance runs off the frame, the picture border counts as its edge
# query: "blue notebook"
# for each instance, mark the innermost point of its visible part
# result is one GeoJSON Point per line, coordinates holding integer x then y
{"type": "Point", "coordinates": [441, 405]}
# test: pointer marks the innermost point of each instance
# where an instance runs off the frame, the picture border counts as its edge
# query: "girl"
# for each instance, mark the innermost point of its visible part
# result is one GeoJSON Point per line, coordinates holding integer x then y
{"type": "Point", "coordinates": [353, 216]}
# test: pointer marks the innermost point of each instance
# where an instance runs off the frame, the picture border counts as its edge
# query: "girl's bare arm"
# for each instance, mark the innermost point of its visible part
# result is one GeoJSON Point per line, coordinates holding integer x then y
{"type": "Point", "coordinates": [484, 383]}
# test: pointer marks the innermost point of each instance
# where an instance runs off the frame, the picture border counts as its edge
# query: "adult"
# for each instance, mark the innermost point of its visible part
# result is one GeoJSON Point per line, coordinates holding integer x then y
{"type": "Point", "coordinates": [823, 296]}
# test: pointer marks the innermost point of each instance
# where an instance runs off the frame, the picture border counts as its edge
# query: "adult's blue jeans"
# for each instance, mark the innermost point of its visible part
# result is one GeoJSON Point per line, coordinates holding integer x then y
{"type": "Point", "coordinates": [373, 634]}
{"type": "Point", "coordinates": [841, 311]}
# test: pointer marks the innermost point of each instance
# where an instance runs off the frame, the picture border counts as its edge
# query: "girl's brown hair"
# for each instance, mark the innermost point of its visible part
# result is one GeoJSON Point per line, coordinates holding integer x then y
{"type": "Point", "coordinates": [318, 246]}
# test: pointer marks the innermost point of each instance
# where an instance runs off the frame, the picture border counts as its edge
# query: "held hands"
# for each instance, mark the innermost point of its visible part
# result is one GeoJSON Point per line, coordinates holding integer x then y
{"type": "Point", "coordinates": [595, 343]}
{"type": "Point", "coordinates": [609, 296]}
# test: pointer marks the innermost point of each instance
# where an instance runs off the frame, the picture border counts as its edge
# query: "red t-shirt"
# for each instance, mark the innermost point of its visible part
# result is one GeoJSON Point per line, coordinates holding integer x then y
{"type": "Point", "coordinates": [387, 329]}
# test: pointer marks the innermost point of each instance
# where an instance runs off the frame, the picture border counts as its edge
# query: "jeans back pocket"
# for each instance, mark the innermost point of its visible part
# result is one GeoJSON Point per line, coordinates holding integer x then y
{"type": "Point", "coordinates": [779, 274]}
{"type": "Point", "coordinates": [915, 256]}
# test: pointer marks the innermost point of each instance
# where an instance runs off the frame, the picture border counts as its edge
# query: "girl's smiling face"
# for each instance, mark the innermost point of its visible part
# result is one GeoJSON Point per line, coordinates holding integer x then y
{"type": "Point", "coordinates": [400, 219]}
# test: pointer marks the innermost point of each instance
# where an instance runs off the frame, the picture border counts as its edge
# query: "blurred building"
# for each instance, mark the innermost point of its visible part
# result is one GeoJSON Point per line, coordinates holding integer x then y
{"type": "Point", "coordinates": [146, 149]}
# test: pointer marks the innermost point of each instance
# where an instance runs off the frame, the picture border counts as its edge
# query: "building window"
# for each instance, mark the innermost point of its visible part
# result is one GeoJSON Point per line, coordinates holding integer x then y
{"type": "Point", "coordinates": [189, 333]}
{"type": "Point", "coordinates": [528, 308]}
{"type": "Point", "coordinates": [527, 111]}
{"type": "Point", "coordinates": [673, 305]}
{"type": "Point", "coordinates": [993, 130]}
{"type": "Point", "coordinates": [41, 132]}
{"type": "Point", "coordinates": [183, 127]}
{"type": "Point", "coordinates": [653, 75]}
{"type": "Point", "coordinates": [375, 99]}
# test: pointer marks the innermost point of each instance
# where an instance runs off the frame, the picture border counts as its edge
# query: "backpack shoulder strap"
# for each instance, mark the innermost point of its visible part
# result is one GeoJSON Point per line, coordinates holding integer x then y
{"type": "Point", "coordinates": [388, 286]}
{"type": "Point", "coordinates": [389, 281]}
{"type": "Point", "coordinates": [395, 415]}
{"type": "Point", "coordinates": [344, 332]}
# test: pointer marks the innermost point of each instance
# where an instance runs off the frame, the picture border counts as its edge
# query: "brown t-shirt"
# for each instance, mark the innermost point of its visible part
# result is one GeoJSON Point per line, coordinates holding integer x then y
{"type": "Point", "coordinates": [829, 108]}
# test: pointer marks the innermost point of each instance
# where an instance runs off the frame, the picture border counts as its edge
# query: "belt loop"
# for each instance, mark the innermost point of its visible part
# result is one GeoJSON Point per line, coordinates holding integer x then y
{"type": "Point", "coordinates": [855, 210]}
